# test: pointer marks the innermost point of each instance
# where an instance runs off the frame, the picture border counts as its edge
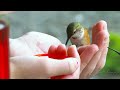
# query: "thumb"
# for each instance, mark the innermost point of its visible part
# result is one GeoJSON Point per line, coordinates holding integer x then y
{"type": "Point", "coordinates": [72, 52]}
{"type": "Point", "coordinates": [34, 67]}
{"type": "Point", "coordinates": [61, 67]}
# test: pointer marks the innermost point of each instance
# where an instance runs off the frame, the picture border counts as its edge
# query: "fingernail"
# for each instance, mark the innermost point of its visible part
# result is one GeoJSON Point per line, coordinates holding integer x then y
{"type": "Point", "coordinates": [73, 46]}
{"type": "Point", "coordinates": [104, 24]}
{"type": "Point", "coordinates": [105, 27]}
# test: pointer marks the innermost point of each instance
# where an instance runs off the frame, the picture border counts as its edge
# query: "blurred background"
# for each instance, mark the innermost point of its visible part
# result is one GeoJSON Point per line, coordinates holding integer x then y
{"type": "Point", "coordinates": [55, 24]}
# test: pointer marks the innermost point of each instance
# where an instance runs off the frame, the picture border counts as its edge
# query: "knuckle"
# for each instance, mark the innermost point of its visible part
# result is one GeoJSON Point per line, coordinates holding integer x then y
{"type": "Point", "coordinates": [94, 47]}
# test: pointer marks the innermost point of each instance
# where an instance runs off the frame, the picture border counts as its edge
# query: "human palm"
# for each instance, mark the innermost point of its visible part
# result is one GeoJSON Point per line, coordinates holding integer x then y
{"type": "Point", "coordinates": [24, 49]}
{"type": "Point", "coordinates": [92, 57]}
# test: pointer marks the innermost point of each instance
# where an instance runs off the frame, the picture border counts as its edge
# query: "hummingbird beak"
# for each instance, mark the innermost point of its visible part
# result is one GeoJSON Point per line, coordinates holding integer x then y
{"type": "Point", "coordinates": [67, 41]}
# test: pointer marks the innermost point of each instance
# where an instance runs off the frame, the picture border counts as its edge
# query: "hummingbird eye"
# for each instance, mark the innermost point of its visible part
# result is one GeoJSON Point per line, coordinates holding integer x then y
{"type": "Point", "coordinates": [74, 31]}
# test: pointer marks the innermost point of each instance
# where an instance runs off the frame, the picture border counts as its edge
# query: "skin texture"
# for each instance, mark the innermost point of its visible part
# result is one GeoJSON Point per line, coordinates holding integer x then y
{"type": "Point", "coordinates": [92, 57]}
{"type": "Point", "coordinates": [25, 65]}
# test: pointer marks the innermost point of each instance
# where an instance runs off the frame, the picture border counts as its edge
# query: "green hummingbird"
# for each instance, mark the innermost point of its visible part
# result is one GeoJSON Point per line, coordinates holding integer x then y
{"type": "Point", "coordinates": [79, 36]}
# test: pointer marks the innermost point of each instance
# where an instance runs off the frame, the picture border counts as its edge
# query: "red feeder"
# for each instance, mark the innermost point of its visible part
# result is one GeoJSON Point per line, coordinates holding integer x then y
{"type": "Point", "coordinates": [4, 50]}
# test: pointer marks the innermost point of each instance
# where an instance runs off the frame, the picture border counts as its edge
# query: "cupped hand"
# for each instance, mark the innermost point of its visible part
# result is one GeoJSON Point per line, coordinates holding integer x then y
{"type": "Point", "coordinates": [93, 57]}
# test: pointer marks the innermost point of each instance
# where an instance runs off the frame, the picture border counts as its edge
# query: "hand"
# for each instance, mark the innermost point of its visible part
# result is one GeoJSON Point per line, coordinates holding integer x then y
{"type": "Point", "coordinates": [25, 65]}
{"type": "Point", "coordinates": [93, 57]}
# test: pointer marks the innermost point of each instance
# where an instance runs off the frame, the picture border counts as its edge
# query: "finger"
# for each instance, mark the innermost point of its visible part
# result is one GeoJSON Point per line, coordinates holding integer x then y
{"type": "Point", "coordinates": [61, 52]}
{"type": "Point", "coordinates": [100, 39]}
{"type": "Point", "coordinates": [105, 41]}
{"type": "Point", "coordinates": [61, 67]}
{"type": "Point", "coordinates": [101, 62]}
{"type": "Point", "coordinates": [101, 25]}
{"type": "Point", "coordinates": [33, 66]}
{"type": "Point", "coordinates": [87, 55]}
{"type": "Point", "coordinates": [86, 72]}
{"type": "Point", "coordinates": [52, 51]}
{"type": "Point", "coordinates": [72, 52]}
{"type": "Point", "coordinates": [57, 52]}
{"type": "Point", "coordinates": [81, 49]}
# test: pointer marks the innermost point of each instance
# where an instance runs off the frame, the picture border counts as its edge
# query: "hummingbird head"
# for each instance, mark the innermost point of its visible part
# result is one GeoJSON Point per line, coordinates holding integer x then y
{"type": "Point", "coordinates": [74, 31]}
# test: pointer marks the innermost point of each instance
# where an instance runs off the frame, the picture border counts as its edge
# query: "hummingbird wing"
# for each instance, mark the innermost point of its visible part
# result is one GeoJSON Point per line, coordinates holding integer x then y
{"type": "Point", "coordinates": [86, 36]}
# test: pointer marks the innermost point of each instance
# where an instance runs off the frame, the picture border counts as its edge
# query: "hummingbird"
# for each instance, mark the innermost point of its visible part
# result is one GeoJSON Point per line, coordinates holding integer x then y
{"type": "Point", "coordinates": [79, 35]}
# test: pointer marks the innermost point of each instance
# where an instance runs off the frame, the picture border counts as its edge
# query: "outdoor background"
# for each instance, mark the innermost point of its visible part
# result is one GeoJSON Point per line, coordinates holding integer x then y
{"type": "Point", "coordinates": [55, 23]}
